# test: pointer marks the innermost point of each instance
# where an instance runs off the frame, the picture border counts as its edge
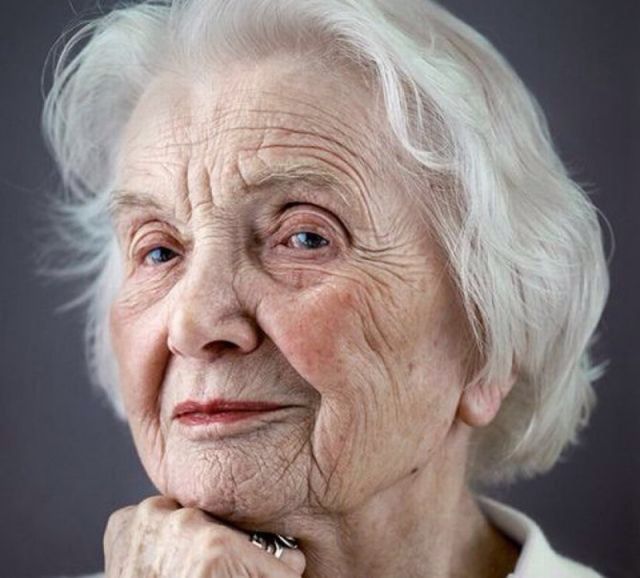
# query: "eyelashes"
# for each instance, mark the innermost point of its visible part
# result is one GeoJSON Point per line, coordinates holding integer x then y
{"type": "Point", "coordinates": [300, 240]}
{"type": "Point", "coordinates": [299, 233]}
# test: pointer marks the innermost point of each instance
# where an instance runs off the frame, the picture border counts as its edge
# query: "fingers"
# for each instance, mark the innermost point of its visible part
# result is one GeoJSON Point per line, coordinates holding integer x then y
{"type": "Point", "coordinates": [295, 560]}
{"type": "Point", "coordinates": [119, 522]}
{"type": "Point", "coordinates": [160, 538]}
{"type": "Point", "coordinates": [125, 529]}
{"type": "Point", "coordinates": [226, 552]}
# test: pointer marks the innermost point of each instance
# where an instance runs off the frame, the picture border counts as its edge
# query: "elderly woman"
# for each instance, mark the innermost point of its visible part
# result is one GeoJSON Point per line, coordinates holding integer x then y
{"type": "Point", "coordinates": [338, 277]}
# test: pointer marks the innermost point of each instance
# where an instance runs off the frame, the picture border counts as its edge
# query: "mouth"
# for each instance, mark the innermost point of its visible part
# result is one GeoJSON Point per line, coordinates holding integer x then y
{"type": "Point", "coordinates": [221, 411]}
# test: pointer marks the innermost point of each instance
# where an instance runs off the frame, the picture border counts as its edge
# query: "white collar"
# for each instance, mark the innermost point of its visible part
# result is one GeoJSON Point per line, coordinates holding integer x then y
{"type": "Point", "coordinates": [537, 558]}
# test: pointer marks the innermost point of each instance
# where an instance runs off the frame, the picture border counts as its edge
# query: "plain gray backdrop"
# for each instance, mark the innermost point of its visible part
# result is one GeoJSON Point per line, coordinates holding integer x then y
{"type": "Point", "coordinates": [66, 462]}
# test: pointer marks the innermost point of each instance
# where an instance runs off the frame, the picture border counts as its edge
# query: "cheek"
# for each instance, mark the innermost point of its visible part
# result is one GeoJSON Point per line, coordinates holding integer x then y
{"type": "Point", "coordinates": [139, 342]}
{"type": "Point", "coordinates": [313, 331]}
{"type": "Point", "coordinates": [318, 334]}
{"type": "Point", "coordinates": [334, 340]}
{"type": "Point", "coordinates": [345, 340]}
{"type": "Point", "coordinates": [386, 370]}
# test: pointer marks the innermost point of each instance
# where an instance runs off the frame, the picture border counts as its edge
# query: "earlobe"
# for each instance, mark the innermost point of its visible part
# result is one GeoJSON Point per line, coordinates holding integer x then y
{"type": "Point", "coordinates": [480, 401]}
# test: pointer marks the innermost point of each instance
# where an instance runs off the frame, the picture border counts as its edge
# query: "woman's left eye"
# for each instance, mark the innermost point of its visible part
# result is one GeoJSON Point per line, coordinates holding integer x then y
{"type": "Point", "coordinates": [159, 255]}
{"type": "Point", "coordinates": [307, 240]}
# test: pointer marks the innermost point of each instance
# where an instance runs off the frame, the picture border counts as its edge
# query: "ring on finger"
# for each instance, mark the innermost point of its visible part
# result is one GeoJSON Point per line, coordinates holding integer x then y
{"type": "Point", "coordinates": [273, 543]}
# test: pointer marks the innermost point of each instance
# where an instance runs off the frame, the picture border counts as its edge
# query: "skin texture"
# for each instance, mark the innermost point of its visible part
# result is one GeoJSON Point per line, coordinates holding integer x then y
{"type": "Point", "coordinates": [358, 332]}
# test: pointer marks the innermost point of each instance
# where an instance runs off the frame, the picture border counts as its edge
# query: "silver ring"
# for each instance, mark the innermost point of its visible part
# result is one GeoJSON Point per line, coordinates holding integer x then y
{"type": "Point", "coordinates": [287, 542]}
{"type": "Point", "coordinates": [279, 549]}
{"type": "Point", "coordinates": [259, 540]}
{"type": "Point", "coordinates": [273, 543]}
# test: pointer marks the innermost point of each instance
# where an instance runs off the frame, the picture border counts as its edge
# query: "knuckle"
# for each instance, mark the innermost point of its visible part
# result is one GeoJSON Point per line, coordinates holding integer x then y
{"type": "Point", "coordinates": [184, 516]}
{"type": "Point", "coordinates": [122, 513]}
{"type": "Point", "coordinates": [107, 542]}
{"type": "Point", "coordinates": [164, 502]}
{"type": "Point", "coordinates": [217, 542]}
{"type": "Point", "coordinates": [118, 519]}
{"type": "Point", "coordinates": [155, 504]}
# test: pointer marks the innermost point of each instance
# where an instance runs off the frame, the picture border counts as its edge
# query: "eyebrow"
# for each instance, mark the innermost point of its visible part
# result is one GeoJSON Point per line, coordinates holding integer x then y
{"type": "Point", "coordinates": [122, 199]}
{"type": "Point", "coordinates": [291, 177]}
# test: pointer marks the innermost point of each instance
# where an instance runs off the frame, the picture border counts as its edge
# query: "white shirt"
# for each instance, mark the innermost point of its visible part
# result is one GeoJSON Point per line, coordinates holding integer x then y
{"type": "Point", "coordinates": [537, 558]}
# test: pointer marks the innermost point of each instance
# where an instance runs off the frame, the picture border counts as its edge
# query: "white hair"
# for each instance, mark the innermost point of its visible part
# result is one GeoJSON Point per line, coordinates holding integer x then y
{"type": "Point", "coordinates": [523, 241]}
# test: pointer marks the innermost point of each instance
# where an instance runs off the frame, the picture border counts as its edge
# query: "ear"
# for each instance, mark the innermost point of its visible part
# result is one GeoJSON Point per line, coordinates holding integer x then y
{"type": "Point", "coordinates": [480, 401]}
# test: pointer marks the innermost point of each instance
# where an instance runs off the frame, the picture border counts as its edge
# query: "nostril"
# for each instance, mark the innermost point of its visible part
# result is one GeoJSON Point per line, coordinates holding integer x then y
{"type": "Point", "coordinates": [202, 337]}
{"type": "Point", "coordinates": [219, 346]}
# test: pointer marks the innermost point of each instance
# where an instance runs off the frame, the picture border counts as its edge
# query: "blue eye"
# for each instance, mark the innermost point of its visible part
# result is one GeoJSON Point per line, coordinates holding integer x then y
{"type": "Point", "coordinates": [308, 240]}
{"type": "Point", "coordinates": [160, 255]}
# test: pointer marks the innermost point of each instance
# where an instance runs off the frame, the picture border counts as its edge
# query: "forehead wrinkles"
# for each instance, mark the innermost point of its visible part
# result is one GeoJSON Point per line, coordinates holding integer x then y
{"type": "Point", "coordinates": [261, 110]}
{"type": "Point", "coordinates": [195, 133]}
{"type": "Point", "coordinates": [352, 131]}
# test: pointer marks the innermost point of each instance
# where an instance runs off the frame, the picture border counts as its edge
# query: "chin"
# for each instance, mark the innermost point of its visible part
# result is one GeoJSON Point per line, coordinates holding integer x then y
{"type": "Point", "coordinates": [241, 490]}
{"type": "Point", "coordinates": [246, 509]}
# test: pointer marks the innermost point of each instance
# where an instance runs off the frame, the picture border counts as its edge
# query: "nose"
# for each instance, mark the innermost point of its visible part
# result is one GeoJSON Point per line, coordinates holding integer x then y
{"type": "Point", "coordinates": [207, 319]}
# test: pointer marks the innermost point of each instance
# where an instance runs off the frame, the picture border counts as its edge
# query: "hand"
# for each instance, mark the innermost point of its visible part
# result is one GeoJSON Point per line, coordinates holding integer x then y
{"type": "Point", "coordinates": [159, 538]}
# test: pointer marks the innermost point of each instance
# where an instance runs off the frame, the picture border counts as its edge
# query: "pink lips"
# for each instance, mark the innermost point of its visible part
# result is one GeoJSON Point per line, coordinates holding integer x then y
{"type": "Point", "coordinates": [220, 411]}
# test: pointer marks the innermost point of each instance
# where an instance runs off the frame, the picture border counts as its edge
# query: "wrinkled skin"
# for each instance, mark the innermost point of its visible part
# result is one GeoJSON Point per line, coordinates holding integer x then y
{"type": "Point", "coordinates": [158, 537]}
{"type": "Point", "coordinates": [356, 329]}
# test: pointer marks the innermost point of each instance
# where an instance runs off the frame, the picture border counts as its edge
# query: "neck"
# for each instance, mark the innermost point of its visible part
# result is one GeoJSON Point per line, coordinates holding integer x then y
{"type": "Point", "coordinates": [425, 525]}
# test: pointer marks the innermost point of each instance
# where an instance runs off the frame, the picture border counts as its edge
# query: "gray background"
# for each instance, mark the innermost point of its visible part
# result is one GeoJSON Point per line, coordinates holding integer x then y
{"type": "Point", "coordinates": [66, 463]}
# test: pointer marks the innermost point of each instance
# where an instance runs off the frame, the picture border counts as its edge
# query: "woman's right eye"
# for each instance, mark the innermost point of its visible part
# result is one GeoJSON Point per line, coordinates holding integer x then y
{"type": "Point", "coordinates": [159, 255]}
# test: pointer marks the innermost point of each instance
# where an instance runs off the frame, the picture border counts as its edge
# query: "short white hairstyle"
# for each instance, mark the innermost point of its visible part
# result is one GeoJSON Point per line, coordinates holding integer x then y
{"type": "Point", "coordinates": [522, 240]}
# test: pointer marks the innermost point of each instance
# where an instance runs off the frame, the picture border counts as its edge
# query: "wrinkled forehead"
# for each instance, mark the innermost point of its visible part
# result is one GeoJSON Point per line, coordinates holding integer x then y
{"type": "Point", "coordinates": [194, 139]}
{"type": "Point", "coordinates": [249, 106]}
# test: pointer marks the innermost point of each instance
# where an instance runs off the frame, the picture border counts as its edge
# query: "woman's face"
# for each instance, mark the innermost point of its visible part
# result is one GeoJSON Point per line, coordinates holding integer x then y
{"type": "Point", "coordinates": [271, 254]}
